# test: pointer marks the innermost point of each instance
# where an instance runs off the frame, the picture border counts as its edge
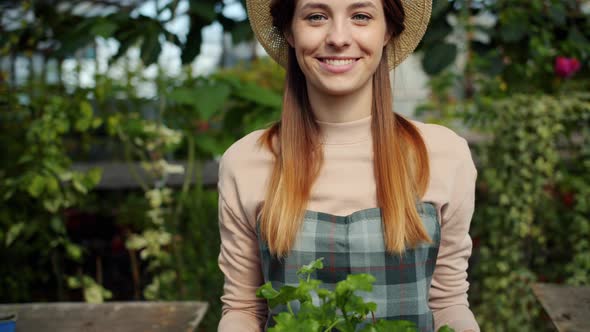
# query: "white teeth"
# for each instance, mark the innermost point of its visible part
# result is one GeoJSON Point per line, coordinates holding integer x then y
{"type": "Point", "coordinates": [334, 62]}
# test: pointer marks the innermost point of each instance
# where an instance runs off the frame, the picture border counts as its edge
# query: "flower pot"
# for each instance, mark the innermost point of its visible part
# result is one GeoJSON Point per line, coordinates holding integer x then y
{"type": "Point", "coordinates": [7, 322]}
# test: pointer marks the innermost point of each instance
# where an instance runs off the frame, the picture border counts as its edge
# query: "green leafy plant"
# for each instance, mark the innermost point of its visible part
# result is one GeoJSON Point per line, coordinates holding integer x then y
{"type": "Point", "coordinates": [38, 186]}
{"type": "Point", "coordinates": [524, 87]}
{"type": "Point", "coordinates": [93, 292]}
{"type": "Point", "coordinates": [56, 29]}
{"type": "Point", "coordinates": [340, 309]}
{"type": "Point", "coordinates": [492, 49]}
{"type": "Point", "coordinates": [512, 39]}
{"type": "Point", "coordinates": [532, 217]}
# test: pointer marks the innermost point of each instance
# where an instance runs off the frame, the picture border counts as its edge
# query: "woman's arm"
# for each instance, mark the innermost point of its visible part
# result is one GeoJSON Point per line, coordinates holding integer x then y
{"type": "Point", "coordinates": [448, 292]}
{"type": "Point", "coordinates": [238, 260]}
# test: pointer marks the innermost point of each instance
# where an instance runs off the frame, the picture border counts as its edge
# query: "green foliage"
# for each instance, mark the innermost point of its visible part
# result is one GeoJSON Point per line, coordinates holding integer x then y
{"type": "Point", "coordinates": [217, 110]}
{"type": "Point", "coordinates": [438, 53]}
{"type": "Point", "coordinates": [256, 97]}
{"type": "Point", "coordinates": [199, 232]}
{"type": "Point", "coordinates": [340, 309]}
{"type": "Point", "coordinates": [173, 232]}
{"type": "Point", "coordinates": [531, 218]}
{"type": "Point", "coordinates": [57, 30]}
{"type": "Point", "coordinates": [207, 98]}
{"type": "Point", "coordinates": [196, 119]}
{"type": "Point", "coordinates": [533, 209]}
{"type": "Point", "coordinates": [93, 292]}
{"type": "Point", "coordinates": [37, 185]}
{"type": "Point", "coordinates": [513, 49]}
{"type": "Point", "coordinates": [442, 107]}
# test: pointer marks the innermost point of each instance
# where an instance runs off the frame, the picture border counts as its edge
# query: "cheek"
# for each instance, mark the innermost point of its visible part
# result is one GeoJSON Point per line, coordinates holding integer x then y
{"type": "Point", "coordinates": [372, 41]}
{"type": "Point", "coordinates": [306, 39]}
{"type": "Point", "coordinates": [303, 48]}
{"type": "Point", "coordinates": [306, 42]}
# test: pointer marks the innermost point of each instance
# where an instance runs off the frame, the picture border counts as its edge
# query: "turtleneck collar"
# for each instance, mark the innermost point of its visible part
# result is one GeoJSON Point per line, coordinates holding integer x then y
{"type": "Point", "coordinates": [340, 133]}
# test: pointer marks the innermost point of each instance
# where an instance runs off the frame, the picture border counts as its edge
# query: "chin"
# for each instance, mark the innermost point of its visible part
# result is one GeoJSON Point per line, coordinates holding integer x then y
{"type": "Point", "coordinates": [340, 87]}
{"type": "Point", "coordinates": [340, 91]}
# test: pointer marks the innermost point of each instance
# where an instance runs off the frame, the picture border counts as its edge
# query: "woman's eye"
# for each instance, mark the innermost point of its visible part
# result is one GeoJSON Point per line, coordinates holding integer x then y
{"type": "Point", "coordinates": [315, 17]}
{"type": "Point", "coordinates": [361, 17]}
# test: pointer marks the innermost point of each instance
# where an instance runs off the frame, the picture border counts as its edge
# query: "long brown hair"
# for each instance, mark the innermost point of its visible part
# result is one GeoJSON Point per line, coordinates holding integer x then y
{"type": "Point", "coordinates": [401, 165]}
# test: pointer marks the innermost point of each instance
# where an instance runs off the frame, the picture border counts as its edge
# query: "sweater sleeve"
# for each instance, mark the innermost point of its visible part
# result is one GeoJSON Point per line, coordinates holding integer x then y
{"type": "Point", "coordinates": [239, 261]}
{"type": "Point", "coordinates": [448, 292]}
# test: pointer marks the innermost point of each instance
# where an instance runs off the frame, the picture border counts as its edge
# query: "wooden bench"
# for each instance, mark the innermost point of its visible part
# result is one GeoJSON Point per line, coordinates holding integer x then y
{"type": "Point", "coordinates": [568, 306]}
{"type": "Point", "coordinates": [107, 317]}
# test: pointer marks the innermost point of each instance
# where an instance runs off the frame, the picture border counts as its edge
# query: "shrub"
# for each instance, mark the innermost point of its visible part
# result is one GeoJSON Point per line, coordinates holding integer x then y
{"type": "Point", "coordinates": [532, 220]}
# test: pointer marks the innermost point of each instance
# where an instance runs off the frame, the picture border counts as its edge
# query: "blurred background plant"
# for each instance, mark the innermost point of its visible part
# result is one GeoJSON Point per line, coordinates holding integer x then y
{"type": "Point", "coordinates": [515, 75]}
{"type": "Point", "coordinates": [156, 240]}
{"type": "Point", "coordinates": [511, 75]}
{"type": "Point", "coordinates": [478, 50]}
{"type": "Point", "coordinates": [38, 188]}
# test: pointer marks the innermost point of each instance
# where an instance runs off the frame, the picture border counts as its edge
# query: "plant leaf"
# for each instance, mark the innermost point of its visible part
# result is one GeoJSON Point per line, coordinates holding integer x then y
{"type": "Point", "coordinates": [266, 291]}
{"type": "Point", "coordinates": [204, 10]}
{"type": "Point", "coordinates": [437, 32]}
{"type": "Point", "coordinates": [286, 295]}
{"type": "Point", "coordinates": [74, 282]}
{"type": "Point", "coordinates": [439, 7]}
{"type": "Point", "coordinates": [150, 47]}
{"type": "Point", "coordinates": [397, 326]}
{"type": "Point", "coordinates": [36, 186]}
{"type": "Point", "coordinates": [438, 57]}
{"type": "Point", "coordinates": [209, 98]}
{"type": "Point", "coordinates": [311, 267]}
{"type": "Point", "coordinates": [305, 288]}
{"type": "Point", "coordinates": [287, 323]}
{"type": "Point", "coordinates": [93, 177]}
{"type": "Point", "coordinates": [13, 232]}
{"type": "Point", "coordinates": [103, 28]}
{"type": "Point", "coordinates": [74, 251]}
{"type": "Point", "coordinates": [259, 95]}
{"type": "Point", "coordinates": [354, 282]}
{"type": "Point", "coordinates": [92, 294]}
{"type": "Point", "coordinates": [192, 47]}
{"type": "Point", "coordinates": [514, 30]}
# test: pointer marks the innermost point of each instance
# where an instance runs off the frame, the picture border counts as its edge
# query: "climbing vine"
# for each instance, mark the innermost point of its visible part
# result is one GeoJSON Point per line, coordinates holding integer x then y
{"type": "Point", "coordinates": [533, 220]}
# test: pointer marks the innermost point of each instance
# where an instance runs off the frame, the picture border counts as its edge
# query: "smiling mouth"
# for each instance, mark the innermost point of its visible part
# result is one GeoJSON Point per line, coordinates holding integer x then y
{"type": "Point", "coordinates": [338, 62]}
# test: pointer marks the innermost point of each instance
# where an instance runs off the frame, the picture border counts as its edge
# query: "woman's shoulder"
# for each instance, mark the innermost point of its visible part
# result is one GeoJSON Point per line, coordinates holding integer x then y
{"type": "Point", "coordinates": [443, 141]}
{"type": "Point", "coordinates": [244, 146]}
{"type": "Point", "coordinates": [452, 169]}
{"type": "Point", "coordinates": [245, 153]}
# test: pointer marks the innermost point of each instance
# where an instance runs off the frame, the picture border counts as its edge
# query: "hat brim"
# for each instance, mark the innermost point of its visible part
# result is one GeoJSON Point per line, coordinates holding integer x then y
{"type": "Point", "coordinates": [273, 41]}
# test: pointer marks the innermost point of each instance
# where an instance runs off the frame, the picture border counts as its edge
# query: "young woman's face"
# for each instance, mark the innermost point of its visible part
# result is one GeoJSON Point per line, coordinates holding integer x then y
{"type": "Point", "coordinates": [338, 43]}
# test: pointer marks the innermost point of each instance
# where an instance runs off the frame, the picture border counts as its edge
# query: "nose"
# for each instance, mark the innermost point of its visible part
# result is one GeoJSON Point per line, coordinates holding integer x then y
{"type": "Point", "coordinates": [339, 34]}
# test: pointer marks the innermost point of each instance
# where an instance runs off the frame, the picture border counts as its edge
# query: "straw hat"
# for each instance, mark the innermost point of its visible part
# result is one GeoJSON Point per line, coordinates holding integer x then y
{"type": "Point", "coordinates": [399, 48]}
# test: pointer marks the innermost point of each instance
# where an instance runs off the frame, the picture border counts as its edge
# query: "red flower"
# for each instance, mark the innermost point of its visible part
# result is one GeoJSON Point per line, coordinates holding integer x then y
{"type": "Point", "coordinates": [566, 67]}
{"type": "Point", "coordinates": [568, 199]}
{"type": "Point", "coordinates": [202, 126]}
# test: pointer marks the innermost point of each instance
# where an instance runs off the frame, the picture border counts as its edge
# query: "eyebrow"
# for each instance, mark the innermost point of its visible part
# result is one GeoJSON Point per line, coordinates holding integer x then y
{"type": "Point", "coordinates": [363, 4]}
{"type": "Point", "coordinates": [315, 5]}
{"type": "Point", "coordinates": [356, 5]}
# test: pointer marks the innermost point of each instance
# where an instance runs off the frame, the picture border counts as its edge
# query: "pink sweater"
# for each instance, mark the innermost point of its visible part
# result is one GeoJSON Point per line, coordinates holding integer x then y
{"type": "Point", "coordinates": [346, 184]}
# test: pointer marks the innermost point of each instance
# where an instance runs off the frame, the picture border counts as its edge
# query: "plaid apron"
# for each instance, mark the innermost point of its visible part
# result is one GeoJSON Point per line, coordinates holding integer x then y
{"type": "Point", "coordinates": [354, 244]}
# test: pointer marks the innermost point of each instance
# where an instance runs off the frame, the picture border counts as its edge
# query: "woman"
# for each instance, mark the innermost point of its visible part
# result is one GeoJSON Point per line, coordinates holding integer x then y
{"type": "Point", "coordinates": [342, 176]}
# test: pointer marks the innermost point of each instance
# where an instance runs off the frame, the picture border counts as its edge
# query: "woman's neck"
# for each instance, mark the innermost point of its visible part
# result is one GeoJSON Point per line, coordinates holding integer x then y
{"type": "Point", "coordinates": [341, 108]}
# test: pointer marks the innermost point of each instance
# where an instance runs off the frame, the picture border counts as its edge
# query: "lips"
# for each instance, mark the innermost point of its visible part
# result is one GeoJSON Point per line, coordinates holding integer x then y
{"type": "Point", "coordinates": [338, 65]}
